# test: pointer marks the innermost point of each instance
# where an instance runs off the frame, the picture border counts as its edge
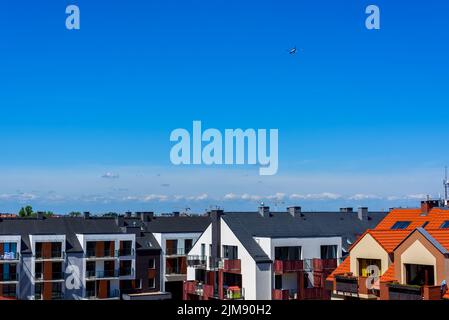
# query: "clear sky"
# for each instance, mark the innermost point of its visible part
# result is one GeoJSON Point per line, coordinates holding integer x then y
{"type": "Point", "coordinates": [86, 115]}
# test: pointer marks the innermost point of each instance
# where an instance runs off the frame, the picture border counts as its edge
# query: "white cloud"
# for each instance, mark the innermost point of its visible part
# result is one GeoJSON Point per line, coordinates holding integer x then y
{"type": "Point", "coordinates": [361, 196]}
{"type": "Point", "coordinates": [18, 197]}
{"type": "Point", "coordinates": [315, 196]}
{"type": "Point", "coordinates": [155, 197]}
{"type": "Point", "coordinates": [110, 175]}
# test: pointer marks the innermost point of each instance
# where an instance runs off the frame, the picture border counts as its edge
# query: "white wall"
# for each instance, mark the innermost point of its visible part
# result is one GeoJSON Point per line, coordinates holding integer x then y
{"type": "Point", "coordinates": [206, 239]}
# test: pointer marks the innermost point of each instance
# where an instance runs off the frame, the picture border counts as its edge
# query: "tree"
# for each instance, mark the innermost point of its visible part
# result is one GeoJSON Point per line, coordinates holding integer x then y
{"type": "Point", "coordinates": [74, 214]}
{"type": "Point", "coordinates": [26, 211]}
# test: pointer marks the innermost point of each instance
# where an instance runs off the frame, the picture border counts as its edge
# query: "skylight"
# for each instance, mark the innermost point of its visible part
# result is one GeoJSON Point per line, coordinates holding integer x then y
{"type": "Point", "coordinates": [400, 225]}
{"type": "Point", "coordinates": [445, 225]}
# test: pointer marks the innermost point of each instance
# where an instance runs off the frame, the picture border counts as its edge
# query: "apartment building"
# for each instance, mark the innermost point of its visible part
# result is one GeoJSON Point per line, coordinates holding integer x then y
{"type": "Point", "coordinates": [175, 234]}
{"type": "Point", "coordinates": [268, 255]}
{"type": "Point", "coordinates": [406, 257]}
{"type": "Point", "coordinates": [64, 258]}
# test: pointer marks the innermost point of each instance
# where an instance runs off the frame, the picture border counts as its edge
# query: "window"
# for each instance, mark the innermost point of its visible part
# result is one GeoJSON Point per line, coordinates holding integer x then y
{"type": "Point", "coordinates": [151, 264]}
{"type": "Point", "coordinates": [329, 252]}
{"type": "Point", "coordinates": [188, 245]}
{"type": "Point", "coordinates": [90, 269]}
{"type": "Point", "coordinates": [56, 292]}
{"type": "Point", "coordinates": [230, 252]}
{"type": "Point", "coordinates": [38, 249]}
{"type": "Point", "coordinates": [425, 224]}
{"type": "Point", "coordinates": [139, 284]}
{"type": "Point", "coordinates": [126, 268]}
{"type": "Point", "coordinates": [287, 253]}
{"type": "Point", "coordinates": [171, 247]}
{"type": "Point", "coordinates": [38, 291]}
{"type": "Point", "coordinates": [400, 225]}
{"type": "Point", "coordinates": [419, 275]}
{"type": "Point", "coordinates": [9, 290]}
{"type": "Point", "coordinates": [445, 225]}
{"type": "Point", "coordinates": [278, 282]}
{"type": "Point", "coordinates": [56, 249]}
{"type": "Point", "coordinates": [151, 283]}
{"type": "Point", "coordinates": [38, 270]}
{"type": "Point", "coordinates": [126, 248]}
{"type": "Point", "coordinates": [203, 249]}
{"type": "Point", "coordinates": [365, 263]}
{"type": "Point", "coordinates": [91, 248]}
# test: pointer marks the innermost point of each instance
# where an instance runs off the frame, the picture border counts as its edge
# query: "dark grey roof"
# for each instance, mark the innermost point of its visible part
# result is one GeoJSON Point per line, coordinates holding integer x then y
{"type": "Point", "coordinates": [70, 226]}
{"type": "Point", "coordinates": [347, 225]}
{"type": "Point", "coordinates": [180, 224]}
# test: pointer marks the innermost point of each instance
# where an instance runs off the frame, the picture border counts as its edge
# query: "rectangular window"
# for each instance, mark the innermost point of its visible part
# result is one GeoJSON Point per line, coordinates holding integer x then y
{"type": "Point", "coordinates": [126, 248]}
{"type": "Point", "coordinates": [38, 249]}
{"type": "Point", "coordinates": [365, 263]}
{"type": "Point", "coordinates": [56, 249]}
{"type": "Point", "coordinates": [151, 264]}
{"type": "Point", "coordinates": [203, 249]}
{"type": "Point", "coordinates": [329, 252]}
{"type": "Point", "coordinates": [151, 283]}
{"type": "Point", "coordinates": [56, 293]}
{"type": "Point", "coordinates": [419, 275]}
{"type": "Point", "coordinates": [230, 252]}
{"type": "Point", "coordinates": [445, 225]}
{"type": "Point", "coordinates": [287, 253]}
{"type": "Point", "coordinates": [91, 248]}
{"type": "Point", "coordinates": [171, 247]}
{"type": "Point", "coordinates": [188, 245]}
{"type": "Point", "coordinates": [9, 290]}
{"type": "Point", "coordinates": [400, 225]}
{"type": "Point", "coordinates": [278, 282]}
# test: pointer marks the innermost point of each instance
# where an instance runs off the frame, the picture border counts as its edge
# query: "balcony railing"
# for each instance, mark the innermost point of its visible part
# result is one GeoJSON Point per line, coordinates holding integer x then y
{"type": "Point", "coordinates": [347, 284]}
{"type": "Point", "coordinates": [175, 270]}
{"type": "Point", "coordinates": [10, 277]}
{"type": "Point", "coordinates": [325, 264]}
{"type": "Point", "coordinates": [55, 276]}
{"type": "Point", "coordinates": [129, 252]}
{"type": "Point", "coordinates": [102, 274]}
{"type": "Point", "coordinates": [232, 265]}
{"type": "Point", "coordinates": [233, 293]}
{"type": "Point", "coordinates": [280, 266]}
{"type": "Point", "coordinates": [126, 272]}
{"type": "Point", "coordinates": [169, 251]}
{"type": "Point", "coordinates": [404, 292]}
{"type": "Point", "coordinates": [281, 294]}
{"type": "Point", "coordinates": [55, 255]}
{"type": "Point", "coordinates": [57, 296]}
{"type": "Point", "coordinates": [107, 254]}
{"type": "Point", "coordinates": [93, 295]}
{"type": "Point", "coordinates": [196, 261]}
{"type": "Point", "coordinates": [10, 256]}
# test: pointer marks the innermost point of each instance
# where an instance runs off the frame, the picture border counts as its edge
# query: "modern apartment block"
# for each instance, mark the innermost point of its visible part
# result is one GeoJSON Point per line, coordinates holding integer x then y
{"type": "Point", "coordinates": [76, 258]}
{"type": "Point", "coordinates": [410, 251]}
{"type": "Point", "coordinates": [176, 235]}
{"type": "Point", "coordinates": [268, 255]}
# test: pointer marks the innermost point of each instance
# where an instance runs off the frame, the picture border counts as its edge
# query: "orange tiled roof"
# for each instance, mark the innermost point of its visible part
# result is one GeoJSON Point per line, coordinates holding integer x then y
{"type": "Point", "coordinates": [344, 267]}
{"type": "Point", "coordinates": [389, 239]}
{"type": "Point", "coordinates": [388, 276]}
{"type": "Point", "coordinates": [440, 235]}
{"type": "Point", "coordinates": [435, 218]}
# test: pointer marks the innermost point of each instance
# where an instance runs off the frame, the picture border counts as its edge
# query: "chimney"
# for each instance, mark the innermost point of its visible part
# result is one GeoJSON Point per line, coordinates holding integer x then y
{"type": "Point", "coordinates": [215, 216]}
{"type": "Point", "coordinates": [138, 215]}
{"type": "Point", "coordinates": [128, 214]}
{"type": "Point", "coordinates": [264, 211]}
{"type": "Point", "coordinates": [428, 205]}
{"type": "Point", "coordinates": [294, 211]}
{"type": "Point", "coordinates": [347, 209]}
{"type": "Point", "coordinates": [147, 216]}
{"type": "Point", "coordinates": [363, 213]}
{"type": "Point", "coordinates": [86, 215]}
{"type": "Point", "coordinates": [40, 215]}
{"type": "Point", "coordinates": [175, 213]}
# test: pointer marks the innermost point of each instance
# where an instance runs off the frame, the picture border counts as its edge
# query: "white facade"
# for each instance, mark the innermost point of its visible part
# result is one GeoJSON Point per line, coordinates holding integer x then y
{"type": "Point", "coordinates": [258, 278]}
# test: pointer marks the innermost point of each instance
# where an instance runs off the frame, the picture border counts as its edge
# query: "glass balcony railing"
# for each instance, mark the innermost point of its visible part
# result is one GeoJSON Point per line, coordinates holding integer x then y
{"type": "Point", "coordinates": [175, 251]}
{"type": "Point", "coordinates": [9, 277]}
{"type": "Point", "coordinates": [126, 252]}
{"type": "Point", "coordinates": [93, 254]}
{"type": "Point", "coordinates": [93, 295]}
{"type": "Point", "coordinates": [102, 274]}
{"type": "Point", "coordinates": [10, 256]}
{"type": "Point", "coordinates": [126, 272]}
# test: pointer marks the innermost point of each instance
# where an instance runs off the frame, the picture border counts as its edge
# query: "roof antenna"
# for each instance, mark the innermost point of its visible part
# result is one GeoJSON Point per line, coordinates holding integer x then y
{"type": "Point", "coordinates": [446, 186]}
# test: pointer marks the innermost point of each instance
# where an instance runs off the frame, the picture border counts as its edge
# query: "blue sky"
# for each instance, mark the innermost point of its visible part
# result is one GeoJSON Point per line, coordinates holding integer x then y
{"type": "Point", "coordinates": [361, 114]}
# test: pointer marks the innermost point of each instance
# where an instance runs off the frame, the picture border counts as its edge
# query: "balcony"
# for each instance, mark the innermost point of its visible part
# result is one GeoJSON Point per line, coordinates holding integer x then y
{"type": "Point", "coordinates": [128, 252]}
{"type": "Point", "coordinates": [106, 255]}
{"type": "Point", "coordinates": [324, 265]}
{"type": "Point", "coordinates": [11, 277]}
{"type": "Point", "coordinates": [55, 255]}
{"type": "Point", "coordinates": [55, 276]}
{"type": "Point", "coordinates": [398, 291]}
{"type": "Point", "coordinates": [347, 285]}
{"type": "Point", "coordinates": [286, 266]}
{"type": "Point", "coordinates": [205, 291]}
{"type": "Point", "coordinates": [232, 265]}
{"type": "Point", "coordinates": [102, 274]}
{"type": "Point", "coordinates": [280, 294]}
{"type": "Point", "coordinates": [233, 293]}
{"type": "Point", "coordinates": [93, 295]}
{"type": "Point", "coordinates": [198, 262]}
{"type": "Point", "coordinates": [127, 272]}
{"type": "Point", "coordinates": [170, 251]}
{"type": "Point", "coordinates": [9, 257]}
